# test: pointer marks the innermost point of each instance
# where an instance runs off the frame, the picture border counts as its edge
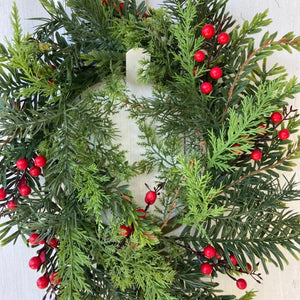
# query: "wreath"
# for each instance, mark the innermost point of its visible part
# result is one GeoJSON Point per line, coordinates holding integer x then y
{"type": "Point", "coordinates": [216, 129]}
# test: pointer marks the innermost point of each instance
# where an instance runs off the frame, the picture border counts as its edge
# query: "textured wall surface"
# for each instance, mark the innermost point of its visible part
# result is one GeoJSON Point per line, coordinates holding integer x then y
{"type": "Point", "coordinates": [17, 281]}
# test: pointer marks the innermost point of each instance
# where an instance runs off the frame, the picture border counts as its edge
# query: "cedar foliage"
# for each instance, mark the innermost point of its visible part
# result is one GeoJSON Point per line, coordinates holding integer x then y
{"type": "Point", "coordinates": [212, 190]}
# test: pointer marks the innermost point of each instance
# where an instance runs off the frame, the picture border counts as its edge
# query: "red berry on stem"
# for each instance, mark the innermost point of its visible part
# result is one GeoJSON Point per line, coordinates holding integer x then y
{"type": "Point", "coordinates": [142, 213]}
{"type": "Point", "coordinates": [209, 251]}
{"type": "Point", "coordinates": [276, 117]}
{"type": "Point", "coordinates": [238, 150]}
{"type": "Point", "coordinates": [12, 205]}
{"type": "Point", "coordinates": [22, 163]}
{"type": "Point", "coordinates": [206, 87]}
{"type": "Point", "coordinates": [54, 279]}
{"type": "Point", "coordinates": [218, 256]}
{"type": "Point", "coordinates": [199, 56]}
{"type": "Point", "coordinates": [284, 134]}
{"type": "Point", "coordinates": [241, 283]}
{"type": "Point", "coordinates": [40, 161]}
{"type": "Point", "coordinates": [208, 31]}
{"type": "Point", "coordinates": [150, 197]}
{"type": "Point", "coordinates": [22, 181]}
{"type": "Point", "coordinates": [216, 73]}
{"type": "Point", "coordinates": [233, 259]}
{"type": "Point", "coordinates": [42, 282]}
{"type": "Point", "coordinates": [3, 194]}
{"type": "Point", "coordinates": [35, 262]}
{"type": "Point", "coordinates": [125, 230]}
{"type": "Point", "coordinates": [249, 267]}
{"type": "Point", "coordinates": [53, 242]}
{"type": "Point", "coordinates": [206, 268]}
{"type": "Point", "coordinates": [121, 5]}
{"type": "Point", "coordinates": [34, 239]}
{"type": "Point", "coordinates": [223, 38]}
{"type": "Point", "coordinates": [42, 256]}
{"type": "Point", "coordinates": [24, 190]}
{"type": "Point", "coordinates": [35, 171]}
{"type": "Point", "coordinates": [256, 155]}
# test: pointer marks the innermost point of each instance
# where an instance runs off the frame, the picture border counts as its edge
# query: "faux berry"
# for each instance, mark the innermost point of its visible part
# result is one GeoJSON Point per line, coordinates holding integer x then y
{"type": "Point", "coordinates": [35, 171]}
{"type": "Point", "coordinates": [241, 283]}
{"type": "Point", "coordinates": [3, 194]}
{"type": "Point", "coordinates": [218, 256]}
{"type": "Point", "coordinates": [22, 163]}
{"type": "Point", "coordinates": [42, 256]}
{"type": "Point", "coordinates": [199, 56]}
{"type": "Point", "coordinates": [22, 181]}
{"type": "Point", "coordinates": [284, 134]}
{"type": "Point", "coordinates": [208, 31]}
{"type": "Point", "coordinates": [142, 213]}
{"type": "Point", "coordinates": [209, 251]}
{"type": "Point", "coordinates": [263, 129]}
{"type": "Point", "coordinates": [40, 161]}
{"type": "Point", "coordinates": [150, 197]}
{"type": "Point", "coordinates": [249, 267]}
{"type": "Point", "coordinates": [206, 268]}
{"type": "Point", "coordinates": [206, 87]}
{"type": "Point", "coordinates": [35, 262]}
{"type": "Point", "coordinates": [24, 190]}
{"type": "Point", "coordinates": [54, 279]}
{"type": "Point", "coordinates": [12, 205]}
{"type": "Point", "coordinates": [216, 73]}
{"type": "Point", "coordinates": [121, 5]}
{"type": "Point", "coordinates": [34, 239]}
{"type": "Point", "coordinates": [53, 243]}
{"type": "Point", "coordinates": [233, 259]}
{"type": "Point", "coordinates": [237, 149]}
{"type": "Point", "coordinates": [125, 230]}
{"type": "Point", "coordinates": [196, 72]}
{"type": "Point", "coordinates": [223, 38]}
{"type": "Point", "coordinates": [276, 117]}
{"type": "Point", "coordinates": [256, 155]}
{"type": "Point", "coordinates": [42, 282]}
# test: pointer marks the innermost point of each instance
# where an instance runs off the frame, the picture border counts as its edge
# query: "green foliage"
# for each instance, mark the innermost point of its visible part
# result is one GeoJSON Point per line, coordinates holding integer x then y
{"type": "Point", "coordinates": [60, 88]}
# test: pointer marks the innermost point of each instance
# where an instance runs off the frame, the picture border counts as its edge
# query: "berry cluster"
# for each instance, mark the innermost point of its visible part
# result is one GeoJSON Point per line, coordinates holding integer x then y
{"type": "Point", "coordinates": [208, 32]}
{"type": "Point", "coordinates": [39, 261]}
{"type": "Point", "coordinates": [19, 187]}
{"type": "Point", "coordinates": [275, 120]}
{"type": "Point", "coordinates": [211, 262]}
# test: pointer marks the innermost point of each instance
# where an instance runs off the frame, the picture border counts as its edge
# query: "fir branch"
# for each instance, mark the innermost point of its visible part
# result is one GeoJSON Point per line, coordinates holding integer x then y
{"type": "Point", "coordinates": [258, 171]}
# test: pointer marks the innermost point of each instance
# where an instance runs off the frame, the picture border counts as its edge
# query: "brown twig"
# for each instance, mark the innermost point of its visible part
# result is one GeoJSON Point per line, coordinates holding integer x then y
{"type": "Point", "coordinates": [263, 169]}
{"type": "Point", "coordinates": [238, 75]}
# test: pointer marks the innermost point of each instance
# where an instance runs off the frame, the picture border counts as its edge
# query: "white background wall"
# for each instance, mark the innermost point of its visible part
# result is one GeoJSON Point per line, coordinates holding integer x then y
{"type": "Point", "coordinates": [17, 281]}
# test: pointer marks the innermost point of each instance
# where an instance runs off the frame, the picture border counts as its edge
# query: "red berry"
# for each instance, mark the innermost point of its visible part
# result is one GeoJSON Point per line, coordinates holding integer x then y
{"type": "Point", "coordinates": [40, 161]}
{"type": "Point", "coordinates": [256, 155]}
{"type": "Point", "coordinates": [35, 171]}
{"type": "Point", "coordinates": [208, 31]}
{"type": "Point", "coordinates": [150, 197]}
{"type": "Point", "coordinates": [35, 262]}
{"type": "Point", "coordinates": [249, 267]}
{"type": "Point", "coordinates": [199, 56]}
{"type": "Point", "coordinates": [218, 256]}
{"type": "Point", "coordinates": [143, 216]}
{"type": "Point", "coordinates": [22, 181]}
{"type": "Point", "coordinates": [241, 283]}
{"type": "Point", "coordinates": [209, 251]}
{"type": "Point", "coordinates": [238, 150]}
{"type": "Point", "coordinates": [233, 259]}
{"type": "Point", "coordinates": [42, 282]}
{"type": "Point", "coordinates": [104, 2]}
{"type": "Point", "coordinates": [34, 239]}
{"type": "Point", "coordinates": [206, 87]}
{"type": "Point", "coordinates": [216, 73]}
{"type": "Point", "coordinates": [276, 117]}
{"type": "Point", "coordinates": [195, 72]}
{"type": "Point", "coordinates": [12, 205]}
{"type": "Point", "coordinates": [53, 242]}
{"type": "Point", "coordinates": [42, 256]}
{"type": "Point", "coordinates": [54, 279]}
{"type": "Point", "coordinates": [3, 194]}
{"type": "Point", "coordinates": [284, 134]}
{"type": "Point", "coordinates": [206, 268]}
{"type": "Point", "coordinates": [125, 230]}
{"type": "Point", "coordinates": [24, 190]}
{"type": "Point", "coordinates": [263, 129]}
{"type": "Point", "coordinates": [121, 5]}
{"type": "Point", "coordinates": [223, 38]}
{"type": "Point", "coordinates": [22, 163]}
